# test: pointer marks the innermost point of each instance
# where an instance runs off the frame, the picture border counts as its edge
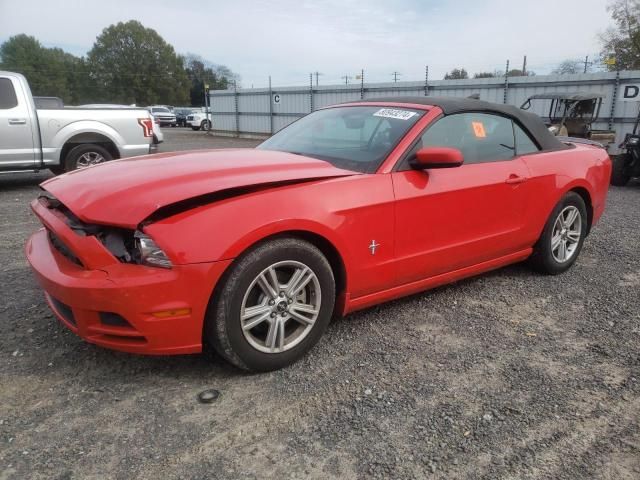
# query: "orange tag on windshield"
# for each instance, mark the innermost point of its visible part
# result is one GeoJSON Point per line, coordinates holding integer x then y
{"type": "Point", "coordinates": [478, 129]}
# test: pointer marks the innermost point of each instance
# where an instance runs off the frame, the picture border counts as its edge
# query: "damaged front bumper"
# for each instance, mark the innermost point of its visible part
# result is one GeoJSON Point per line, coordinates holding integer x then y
{"type": "Point", "coordinates": [128, 307]}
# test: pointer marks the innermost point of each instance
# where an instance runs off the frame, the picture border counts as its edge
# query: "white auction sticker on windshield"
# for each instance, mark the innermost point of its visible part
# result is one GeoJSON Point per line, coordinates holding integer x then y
{"type": "Point", "coordinates": [394, 113]}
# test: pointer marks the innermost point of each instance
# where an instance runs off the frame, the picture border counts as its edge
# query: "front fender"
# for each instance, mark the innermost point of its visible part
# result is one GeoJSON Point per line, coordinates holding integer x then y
{"type": "Point", "coordinates": [285, 226]}
{"type": "Point", "coordinates": [348, 212]}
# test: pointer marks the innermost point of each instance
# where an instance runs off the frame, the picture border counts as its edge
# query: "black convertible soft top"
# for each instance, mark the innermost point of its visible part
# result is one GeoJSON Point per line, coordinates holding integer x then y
{"type": "Point", "coordinates": [449, 105]}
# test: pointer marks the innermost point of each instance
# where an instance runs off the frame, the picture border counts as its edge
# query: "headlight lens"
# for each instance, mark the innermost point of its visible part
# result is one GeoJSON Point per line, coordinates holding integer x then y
{"type": "Point", "coordinates": [150, 253]}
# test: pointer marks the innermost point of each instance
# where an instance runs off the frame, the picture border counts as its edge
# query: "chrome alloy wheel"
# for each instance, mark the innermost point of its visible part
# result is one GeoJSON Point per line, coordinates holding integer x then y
{"type": "Point", "coordinates": [567, 230]}
{"type": "Point", "coordinates": [88, 159]}
{"type": "Point", "coordinates": [280, 307]}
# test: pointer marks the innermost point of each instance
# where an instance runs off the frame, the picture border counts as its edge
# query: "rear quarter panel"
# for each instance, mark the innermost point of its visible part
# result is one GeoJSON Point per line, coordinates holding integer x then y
{"type": "Point", "coordinates": [553, 174]}
{"type": "Point", "coordinates": [349, 212]}
{"type": "Point", "coordinates": [120, 125]}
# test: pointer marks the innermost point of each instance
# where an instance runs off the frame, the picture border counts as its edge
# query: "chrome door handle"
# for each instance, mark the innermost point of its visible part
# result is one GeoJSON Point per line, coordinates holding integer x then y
{"type": "Point", "coordinates": [17, 121]}
{"type": "Point", "coordinates": [515, 179]}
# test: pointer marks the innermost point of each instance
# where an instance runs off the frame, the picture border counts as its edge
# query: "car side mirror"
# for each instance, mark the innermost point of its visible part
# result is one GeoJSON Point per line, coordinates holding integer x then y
{"type": "Point", "coordinates": [437, 157]}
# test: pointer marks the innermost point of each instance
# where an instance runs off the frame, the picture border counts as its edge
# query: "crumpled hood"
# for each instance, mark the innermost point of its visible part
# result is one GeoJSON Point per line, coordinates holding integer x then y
{"type": "Point", "coordinates": [125, 192]}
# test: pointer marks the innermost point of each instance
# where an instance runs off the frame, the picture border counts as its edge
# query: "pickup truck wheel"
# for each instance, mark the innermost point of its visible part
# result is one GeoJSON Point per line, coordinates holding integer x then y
{"type": "Point", "coordinates": [562, 237]}
{"type": "Point", "coordinates": [619, 174]}
{"type": "Point", "coordinates": [205, 125]}
{"type": "Point", "coordinates": [273, 305]}
{"type": "Point", "coordinates": [86, 155]}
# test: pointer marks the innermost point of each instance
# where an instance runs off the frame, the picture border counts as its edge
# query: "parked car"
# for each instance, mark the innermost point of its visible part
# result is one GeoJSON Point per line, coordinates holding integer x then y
{"type": "Point", "coordinates": [200, 120]}
{"type": "Point", "coordinates": [254, 250]}
{"type": "Point", "coordinates": [181, 115]}
{"type": "Point", "coordinates": [63, 139]}
{"type": "Point", "coordinates": [164, 116]}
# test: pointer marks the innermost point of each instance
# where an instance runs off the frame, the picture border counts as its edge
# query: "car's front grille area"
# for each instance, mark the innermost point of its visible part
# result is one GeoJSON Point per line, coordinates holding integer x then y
{"type": "Point", "coordinates": [63, 310]}
{"type": "Point", "coordinates": [62, 248]}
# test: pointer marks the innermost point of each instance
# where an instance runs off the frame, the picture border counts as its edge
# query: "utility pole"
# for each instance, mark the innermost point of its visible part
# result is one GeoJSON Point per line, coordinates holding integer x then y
{"type": "Point", "coordinates": [426, 80]}
{"type": "Point", "coordinates": [311, 92]}
{"type": "Point", "coordinates": [395, 76]}
{"type": "Point", "coordinates": [317, 74]}
{"type": "Point", "coordinates": [270, 107]}
{"type": "Point", "coordinates": [587, 63]}
{"type": "Point", "coordinates": [346, 79]}
{"type": "Point", "coordinates": [524, 66]}
{"type": "Point", "coordinates": [506, 83]}
{"type": "Point", "coordinates": [361, 84]}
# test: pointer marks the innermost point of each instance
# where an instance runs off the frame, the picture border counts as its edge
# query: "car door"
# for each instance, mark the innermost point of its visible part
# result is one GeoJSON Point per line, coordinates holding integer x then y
{"type": "Point", "coordinates": [451, 218]}
{"type": "Point", "coordinates": [17, 146]}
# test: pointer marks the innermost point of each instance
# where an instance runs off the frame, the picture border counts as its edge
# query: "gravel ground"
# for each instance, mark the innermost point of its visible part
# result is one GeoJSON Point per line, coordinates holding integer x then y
{"type": "Point", "coordinates": [508, 375]}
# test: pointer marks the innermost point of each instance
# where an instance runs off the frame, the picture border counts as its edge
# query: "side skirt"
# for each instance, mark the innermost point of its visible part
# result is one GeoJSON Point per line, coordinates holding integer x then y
{"type": "Point", "coordinates": [353, 304]}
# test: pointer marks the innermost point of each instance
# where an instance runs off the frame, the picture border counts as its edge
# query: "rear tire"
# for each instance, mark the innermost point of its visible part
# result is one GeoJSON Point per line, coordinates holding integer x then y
{"type": "Point", "coordinates": [619, 175]}
{"type": "Point", "coordinates": [561, 240]}
{"type": "Point", "coordinates": [86, 155]}
{"type": "Point", "coordinates": [279, 327]}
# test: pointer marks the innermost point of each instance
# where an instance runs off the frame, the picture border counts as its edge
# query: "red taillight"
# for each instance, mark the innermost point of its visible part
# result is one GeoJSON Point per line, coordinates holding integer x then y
{"type": "Point", "coordinates": [147, 126]}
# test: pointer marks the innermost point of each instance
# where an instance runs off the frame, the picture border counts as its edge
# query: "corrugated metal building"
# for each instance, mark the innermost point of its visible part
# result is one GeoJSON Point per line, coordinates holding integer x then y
{"type": "Point", "coordinates": [263, 111]}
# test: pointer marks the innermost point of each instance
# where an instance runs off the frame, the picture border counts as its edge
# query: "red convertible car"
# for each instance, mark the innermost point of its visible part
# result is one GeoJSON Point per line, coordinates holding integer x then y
{"type": "Point", "coordinates": [252, 251]}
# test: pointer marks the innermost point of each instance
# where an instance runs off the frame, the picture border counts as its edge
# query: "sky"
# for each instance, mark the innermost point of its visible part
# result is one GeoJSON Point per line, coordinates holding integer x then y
{"type": "Point", "coordinates": [288, 39]}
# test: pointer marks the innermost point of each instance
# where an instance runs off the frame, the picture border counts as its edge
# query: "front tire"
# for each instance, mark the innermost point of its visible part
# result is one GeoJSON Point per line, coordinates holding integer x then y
{"type": "Point", "coordinates": [619, 175]}
{"type": "Point", "coordinates": [205, 125]}
{"type": "Point", "coordinates": [272, 306]}
{"type": "Point", "coordinates": [86, 155]}
{"type": "Point", "coordinates": [563, 235]}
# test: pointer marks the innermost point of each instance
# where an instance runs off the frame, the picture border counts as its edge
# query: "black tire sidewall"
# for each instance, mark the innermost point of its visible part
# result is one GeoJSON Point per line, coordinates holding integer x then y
{"type": "Point", "coordinates": [543, 255]}
{"type": "Point", "coordinates": [230, 302]}
{"type": "Point", "coordinates": [71, 161]}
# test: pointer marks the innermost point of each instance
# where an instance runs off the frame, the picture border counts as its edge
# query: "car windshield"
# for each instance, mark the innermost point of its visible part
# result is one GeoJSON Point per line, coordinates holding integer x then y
{"type": "Point", "coordinates": [160, 110]}
{"type": "Point", "coordinates": [354, 138]}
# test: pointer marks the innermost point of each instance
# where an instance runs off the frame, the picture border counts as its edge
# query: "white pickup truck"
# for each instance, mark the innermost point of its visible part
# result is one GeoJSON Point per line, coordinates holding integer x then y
{"type": "Point", "coordinates": [63, 139]}
{"type": "Point", "coordinates": [199, 120]}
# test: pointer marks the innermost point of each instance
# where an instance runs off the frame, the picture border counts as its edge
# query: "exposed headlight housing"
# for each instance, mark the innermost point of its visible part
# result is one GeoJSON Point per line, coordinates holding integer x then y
{"type": "Point", "coordinates": [633, 140]}
{"type": "Point", "coordinates": [150, 253]}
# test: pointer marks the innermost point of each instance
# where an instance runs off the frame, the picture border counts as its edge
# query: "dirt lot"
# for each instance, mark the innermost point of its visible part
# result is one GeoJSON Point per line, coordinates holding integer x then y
{"type": "Point", "coordinates": [509, 375]}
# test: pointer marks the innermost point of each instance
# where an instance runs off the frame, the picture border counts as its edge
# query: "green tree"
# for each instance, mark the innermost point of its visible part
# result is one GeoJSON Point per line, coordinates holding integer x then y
{"type": "Point", "coordinates": [456, 74]}
{"type": "Point", "coordinates": [201, 73]}
{"type": "Point", "coordinates": [516, 72]}
{"type": "Point", "coordinates": [622, 42]}
{"type": "Point", "coordinates": [568, 67]}
{"type": "Point", "coordinates": [133, 64]}
{"type": "Point", "coordinates": [484, 75]}
{"type": "Point", "coordinates": [50, 71]}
